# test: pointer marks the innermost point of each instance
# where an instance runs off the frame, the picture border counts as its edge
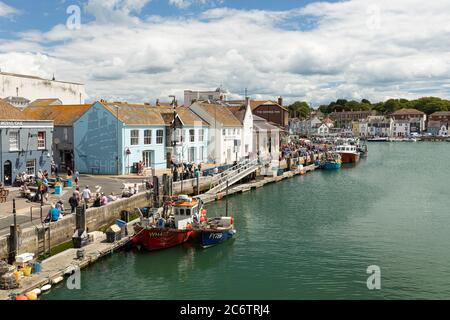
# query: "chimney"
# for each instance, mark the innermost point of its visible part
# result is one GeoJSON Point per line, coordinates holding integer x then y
{"type": "Point", "coordinates": [280, 101]}
{"type": "Point", "coordinates": [247, 101]}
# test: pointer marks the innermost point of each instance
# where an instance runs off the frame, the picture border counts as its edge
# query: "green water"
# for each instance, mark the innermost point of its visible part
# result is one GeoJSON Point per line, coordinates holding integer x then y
{"type": "Point", "coordinates": [309, 237]}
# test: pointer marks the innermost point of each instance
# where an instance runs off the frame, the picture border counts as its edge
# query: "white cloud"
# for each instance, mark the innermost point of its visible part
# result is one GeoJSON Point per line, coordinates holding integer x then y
{"type": "Point", "coordinates": [6, 10]}
{"type": "Point", "coordinates": [353, 49]}
{"type": "Point", "coordinates": [184, 4]}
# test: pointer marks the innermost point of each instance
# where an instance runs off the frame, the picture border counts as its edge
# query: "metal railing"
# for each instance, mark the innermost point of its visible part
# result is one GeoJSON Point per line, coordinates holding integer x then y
{"type": "Point", "coordinates": [234, 174]}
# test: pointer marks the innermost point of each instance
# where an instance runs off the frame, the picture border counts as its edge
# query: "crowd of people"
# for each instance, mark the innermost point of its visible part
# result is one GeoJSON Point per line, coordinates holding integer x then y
{"type": "Point", "coordinates": [185, 171]}
{"type": "Point", "coordinates": [301, 148]}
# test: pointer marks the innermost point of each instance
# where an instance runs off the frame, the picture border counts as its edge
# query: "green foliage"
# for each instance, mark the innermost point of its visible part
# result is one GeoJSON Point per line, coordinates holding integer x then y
{"type": "Point", "coordinates": [427, 105]}
{"type": "Point", "coordinates": [299, 109]}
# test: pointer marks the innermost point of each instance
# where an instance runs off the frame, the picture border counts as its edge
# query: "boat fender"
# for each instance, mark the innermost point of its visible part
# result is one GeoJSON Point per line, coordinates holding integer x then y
{"type": "Point", "coordinates": [232, 221]}
{"type": "Point", "coordinates": [37, 291]}
{"type": "Point", "coordinates": [57, 280]}
{"type": "Point", "coordinates": [46, 287]}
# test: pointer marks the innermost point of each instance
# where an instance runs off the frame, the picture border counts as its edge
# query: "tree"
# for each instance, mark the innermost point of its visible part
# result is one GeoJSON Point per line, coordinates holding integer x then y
{"type": "Point", "coordinates": [299, 109]}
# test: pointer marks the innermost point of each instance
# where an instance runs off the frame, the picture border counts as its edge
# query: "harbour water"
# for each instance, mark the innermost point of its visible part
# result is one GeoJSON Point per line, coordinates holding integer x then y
{"type": "Point", "coordinates": [310, 237]}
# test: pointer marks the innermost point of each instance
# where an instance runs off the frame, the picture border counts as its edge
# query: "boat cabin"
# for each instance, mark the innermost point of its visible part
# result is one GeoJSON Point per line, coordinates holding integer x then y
{"type": "Point", "coordinates": [184, 210]}
{"type": "Point", "coordinates": [346, 149]}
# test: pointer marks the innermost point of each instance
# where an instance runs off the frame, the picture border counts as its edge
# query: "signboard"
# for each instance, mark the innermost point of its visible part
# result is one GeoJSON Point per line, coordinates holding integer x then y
{"type": "Point", "coordinates": [11, 123]}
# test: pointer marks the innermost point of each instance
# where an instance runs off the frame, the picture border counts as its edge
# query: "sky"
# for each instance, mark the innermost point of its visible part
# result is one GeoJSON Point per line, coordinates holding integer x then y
{"type": "Point", "coordinates": [315, 51]}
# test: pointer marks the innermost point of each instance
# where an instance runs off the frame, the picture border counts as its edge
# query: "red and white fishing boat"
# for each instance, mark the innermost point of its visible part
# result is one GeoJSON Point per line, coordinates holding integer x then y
{"type": "Point", "coordinates": [169, 229]}
{"type": "Point", "coordinates": [349, 153]}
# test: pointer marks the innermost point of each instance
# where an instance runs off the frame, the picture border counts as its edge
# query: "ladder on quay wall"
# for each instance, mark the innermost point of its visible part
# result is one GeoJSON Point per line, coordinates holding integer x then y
{"type": "Point", "coordinates": [233, 175]}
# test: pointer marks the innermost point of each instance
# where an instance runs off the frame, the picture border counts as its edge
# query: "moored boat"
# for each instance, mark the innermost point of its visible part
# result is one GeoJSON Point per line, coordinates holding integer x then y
{"type": "Point", "coordinates": [348, 153]}
{"type": "Point", "coordinates": [175, 227]}
{"type": "Point", "coordinates": [216, 231]}
{"type": "Point", "coordinates": [378, 139]}
{"type": "Point", "coordinates": [332, 162]}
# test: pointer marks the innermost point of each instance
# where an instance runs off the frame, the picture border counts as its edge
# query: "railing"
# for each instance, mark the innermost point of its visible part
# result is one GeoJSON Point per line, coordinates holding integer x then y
{"type": "Point", "coordinates": [233, 175]}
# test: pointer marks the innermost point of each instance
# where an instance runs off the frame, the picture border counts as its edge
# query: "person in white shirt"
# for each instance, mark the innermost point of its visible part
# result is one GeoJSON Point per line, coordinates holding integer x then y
{"type": "Point", "coordinates": [87, 195]}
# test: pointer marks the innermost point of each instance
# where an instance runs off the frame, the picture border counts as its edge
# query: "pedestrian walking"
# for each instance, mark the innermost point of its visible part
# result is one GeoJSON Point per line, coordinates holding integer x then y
{"type": "Point", "coordinates": [87, 195]}
{"type": "Point", "coordinates": [74, 202]}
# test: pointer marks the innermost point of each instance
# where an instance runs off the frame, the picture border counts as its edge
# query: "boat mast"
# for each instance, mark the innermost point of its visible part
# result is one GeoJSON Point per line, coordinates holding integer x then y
{"type": "Point", "coordinates": [226, 201]}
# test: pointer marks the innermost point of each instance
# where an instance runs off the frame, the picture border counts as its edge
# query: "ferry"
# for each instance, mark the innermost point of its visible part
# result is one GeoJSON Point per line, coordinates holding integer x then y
{"type": "Point", "coordinates": [175, 227]}
{"type": "Point", "coordinates": [348, 153]}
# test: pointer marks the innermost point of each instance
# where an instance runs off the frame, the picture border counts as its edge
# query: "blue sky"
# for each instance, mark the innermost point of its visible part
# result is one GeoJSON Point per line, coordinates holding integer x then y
{"type": "Point", "coordinates": [45, 14]}
{"type": "Point", "coordinates": [317, 51]}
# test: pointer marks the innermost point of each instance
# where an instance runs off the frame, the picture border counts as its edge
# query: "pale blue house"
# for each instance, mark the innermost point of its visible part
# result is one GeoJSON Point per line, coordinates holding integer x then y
{"type": "Point", "coordinates": [111, 138]}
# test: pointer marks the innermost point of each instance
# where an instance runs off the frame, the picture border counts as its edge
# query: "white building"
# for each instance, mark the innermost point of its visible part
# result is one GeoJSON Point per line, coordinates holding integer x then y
{"type": "Point", "coordinates": [33, 88]}
{"type": "Point", "coordinates": [212, 96]}
{"type": "Point", "coordinates": [228, 139]}
{"type": "Point", "coordinates": [379, 126]}
{"type": "Point", "coordinates": [407, 121]}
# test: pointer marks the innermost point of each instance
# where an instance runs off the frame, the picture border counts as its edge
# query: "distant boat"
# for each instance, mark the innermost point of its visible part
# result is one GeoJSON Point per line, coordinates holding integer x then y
{"type": "Point", "coordinates": [348, 153]}
{"type": "Point", "coordinates": [378, 139]}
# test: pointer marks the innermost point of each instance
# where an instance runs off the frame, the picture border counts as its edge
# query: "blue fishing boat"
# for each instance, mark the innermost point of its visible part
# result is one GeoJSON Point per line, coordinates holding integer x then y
{"type": "Point", "coordinates": [332, 161]}
{"type": "Point", "coordinates": [216, 231]}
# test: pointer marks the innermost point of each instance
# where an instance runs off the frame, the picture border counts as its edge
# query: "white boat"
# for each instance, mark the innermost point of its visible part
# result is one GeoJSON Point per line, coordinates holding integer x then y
{"type": "Point", "coordinates": [378, 139]}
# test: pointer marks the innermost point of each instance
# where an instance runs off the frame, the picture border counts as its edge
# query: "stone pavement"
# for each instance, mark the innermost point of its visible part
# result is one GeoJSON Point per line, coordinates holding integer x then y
{"type": "Point", "coordinates": [96, 183]}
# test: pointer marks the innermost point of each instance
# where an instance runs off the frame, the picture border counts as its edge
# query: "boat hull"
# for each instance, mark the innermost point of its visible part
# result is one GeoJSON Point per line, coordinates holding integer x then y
{"type": "Point", "coordinates": [349, 157]}
{"type": "Point", "coordinates": [331, 166]}
{"type": "Point", "coordinates": [153, 239]}
{"type": "Point", "coordinates": [209, 238]}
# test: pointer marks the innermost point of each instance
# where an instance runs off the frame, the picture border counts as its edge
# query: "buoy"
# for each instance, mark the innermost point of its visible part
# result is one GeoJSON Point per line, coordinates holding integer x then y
{"type": "Point", "coordinates": [21, 298]}
{"type": "Point", "coordinates": [37, 291]}
{"type": "Point", "coordinates": [46, 287]}
{"type": "Point", "coordinates": [31, 296]}
{"type": "Point", "coordinates": [57, 280]}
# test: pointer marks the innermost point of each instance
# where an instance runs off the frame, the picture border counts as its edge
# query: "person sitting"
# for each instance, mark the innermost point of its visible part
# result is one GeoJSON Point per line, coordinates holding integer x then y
{"type": "Point", "coordinates": [97, 201]}
{"type": "Point", "coordinates": [53, 214]}
{"type": "Point", "coordinates": [103, 200]}
{"type": "Point", "coordinates": [60, 206]}
{"type": "Point", "coordinates": [112, 197]}
{"type": "Point", "coordinates": [26, 192]}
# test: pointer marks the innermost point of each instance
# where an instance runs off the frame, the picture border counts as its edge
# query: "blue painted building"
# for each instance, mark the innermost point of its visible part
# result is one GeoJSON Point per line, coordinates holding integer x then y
{"type": "Point", "coordinates": [25, 145]}
{"type": "Point", "coordinates": [110, 138]}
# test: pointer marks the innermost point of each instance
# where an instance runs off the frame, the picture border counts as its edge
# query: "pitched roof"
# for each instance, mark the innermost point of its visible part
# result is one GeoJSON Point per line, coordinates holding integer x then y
{"type": "Point", "coordinates": [8, 112]}
{"type": "Point", "coordinates": [62, 115]}
{"type": "Point", "coordinates": [45, 102]}
{"type": "Point", "coordinates": [222, 113]}
{"type": "Point", "coordinates": [440, 114]}
{"type": "Point", "coordinates": [257, 103]}
{"type": "Point", "coordinates": [262, 124]}
{"type": "Point", "coordinates": [238, 112]}
{"type": "Point", "coordinates": [34, 77]}
{"type": "Point", "coordinates": [135, 114]}
{"type": "Point", "coordinates": [187, 116]}
{"type": "Point", "coordinates": [405, 111]}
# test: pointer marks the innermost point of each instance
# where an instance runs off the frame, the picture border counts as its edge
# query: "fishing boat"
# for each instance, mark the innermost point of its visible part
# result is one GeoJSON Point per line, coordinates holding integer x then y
{"type": "Point", "coordinates": [363, 149]}
{"type": "Point", "coordinates": [332, 162]}
{"type": "Point", "coordinates": [348, 153]}
{"type": "Point", "coordinates": [216, 231]}
{"type": "Point", "coordinates": [173, 227]}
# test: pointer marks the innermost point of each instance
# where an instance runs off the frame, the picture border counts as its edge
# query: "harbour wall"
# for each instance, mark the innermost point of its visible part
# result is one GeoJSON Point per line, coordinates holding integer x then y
{"type": "Point", "coordinates": [63, 230]}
